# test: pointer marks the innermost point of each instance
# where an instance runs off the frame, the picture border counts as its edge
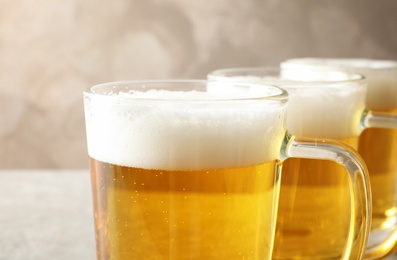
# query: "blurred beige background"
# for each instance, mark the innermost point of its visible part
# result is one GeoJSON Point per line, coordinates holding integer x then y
{"type": "Point", "coordinates": [50, 51]}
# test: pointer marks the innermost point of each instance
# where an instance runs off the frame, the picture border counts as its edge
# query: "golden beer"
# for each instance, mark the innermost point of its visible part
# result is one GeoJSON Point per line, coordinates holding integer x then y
{"type": "Point", "coordinates": [185, 174]}
{"type": "Point", "coordinates": [314, 209]}
{"type": "Point", "coordinates": [314, 213]}
{"type": "Point", "coordinates": [377, 145]}
{"type": "Point", "coordinates": [161, 214]}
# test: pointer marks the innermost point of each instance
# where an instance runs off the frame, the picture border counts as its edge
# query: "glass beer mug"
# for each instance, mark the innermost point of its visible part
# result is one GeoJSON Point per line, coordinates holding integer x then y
{"type": "Point", "coordinates": [377, 146]}
{"type": "Point", "coordinates": [190, 169]}
{"type": "Point", "coordinates": [312, 223]}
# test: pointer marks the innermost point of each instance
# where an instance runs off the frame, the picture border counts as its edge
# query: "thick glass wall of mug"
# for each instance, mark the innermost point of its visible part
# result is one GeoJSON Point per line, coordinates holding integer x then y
{"type": "Point", "coordinates": [192, 179]}
{"type": "Point", "coordinates": [377, 146]}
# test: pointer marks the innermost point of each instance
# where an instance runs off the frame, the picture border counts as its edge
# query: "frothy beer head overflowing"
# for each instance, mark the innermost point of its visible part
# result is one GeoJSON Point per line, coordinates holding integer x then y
{"type": "Point", "coordinates": [217, 125]}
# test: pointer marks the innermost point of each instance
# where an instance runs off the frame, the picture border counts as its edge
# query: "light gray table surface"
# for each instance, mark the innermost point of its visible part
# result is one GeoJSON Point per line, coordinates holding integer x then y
{"type": "Point", "coordinates": [47, 215]}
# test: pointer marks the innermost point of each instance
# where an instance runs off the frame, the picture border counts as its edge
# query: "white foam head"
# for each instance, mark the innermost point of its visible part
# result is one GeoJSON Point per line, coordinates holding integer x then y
{"type": "Point", "coordinates": [381, 76]}
{"type": "Point", "coordinates": [221, 126]}
{"type": "Point", "coordinates": [322, 103]}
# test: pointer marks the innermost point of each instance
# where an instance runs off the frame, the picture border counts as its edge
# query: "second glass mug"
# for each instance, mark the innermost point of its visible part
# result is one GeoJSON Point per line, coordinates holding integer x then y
{"type": "Point", "coordinates": [323, 104]}
{"type": "Point", "coordinates": [377, 146]}
{"type": "Point", "coordinates": [189, 169]}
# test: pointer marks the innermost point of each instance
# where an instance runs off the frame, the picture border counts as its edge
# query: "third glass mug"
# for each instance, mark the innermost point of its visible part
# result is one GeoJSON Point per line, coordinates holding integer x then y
{"type": "Point", "coordinates": [189, 169]}
{"type": "Point", "coordinates": [311, 222]}
{"type": "Point", "coordinates": [377, 146]}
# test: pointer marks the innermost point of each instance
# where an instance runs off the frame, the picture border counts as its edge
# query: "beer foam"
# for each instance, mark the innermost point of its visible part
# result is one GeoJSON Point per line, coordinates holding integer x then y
{"type": "Point", "coordinates": [338, 63]}
{"type": "Point", "coordinates": [325, 112]}
{"type": "Point", "coordinates": [158, 130]}
{"type": "Point", "coordinates": [213, 92]}
{"type": "Point", "coordinates": [381, 76]}
{"type": "Point", "coordinates": [330, 108]}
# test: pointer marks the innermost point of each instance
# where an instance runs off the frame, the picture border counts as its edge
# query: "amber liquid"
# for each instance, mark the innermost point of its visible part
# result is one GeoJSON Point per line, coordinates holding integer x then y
{"type": "Point", "coordinates": [378, 147]}
{"type": "Point", "coordinates": [314, 209]}
{"type": "Point", "coordinates": [212, 214]}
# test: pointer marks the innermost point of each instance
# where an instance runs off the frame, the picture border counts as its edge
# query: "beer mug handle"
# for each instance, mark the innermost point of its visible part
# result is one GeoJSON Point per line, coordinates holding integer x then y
{"type": "Point", "coordinates": [377, 119]}
{"type": "Point", "coordinates": [358, 182]}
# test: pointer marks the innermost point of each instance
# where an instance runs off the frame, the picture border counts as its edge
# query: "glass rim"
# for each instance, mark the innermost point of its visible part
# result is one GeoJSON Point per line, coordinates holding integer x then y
{"type": "Point", "coordinates": [220, 74]}
{"type": "Point", "coordinates": [345, 63]}
{"type": "Point", "coordinates": [279, 93]}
